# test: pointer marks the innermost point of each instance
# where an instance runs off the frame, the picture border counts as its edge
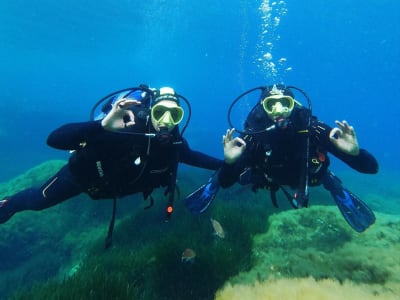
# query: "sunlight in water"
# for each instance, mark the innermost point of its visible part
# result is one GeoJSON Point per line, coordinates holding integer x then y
{"type": "Point", "coordinates": [271, 66]}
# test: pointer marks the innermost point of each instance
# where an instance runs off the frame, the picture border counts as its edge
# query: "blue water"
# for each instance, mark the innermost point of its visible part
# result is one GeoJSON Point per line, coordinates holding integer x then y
{"type": "Point", "coordinates": [58, 57]}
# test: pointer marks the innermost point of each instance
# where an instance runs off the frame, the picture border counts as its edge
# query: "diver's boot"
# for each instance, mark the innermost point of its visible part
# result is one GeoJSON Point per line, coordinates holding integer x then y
{"type": "Point", "coordinates": [6, 211]}
{"type": "Point", "coordinates": [357, 214]}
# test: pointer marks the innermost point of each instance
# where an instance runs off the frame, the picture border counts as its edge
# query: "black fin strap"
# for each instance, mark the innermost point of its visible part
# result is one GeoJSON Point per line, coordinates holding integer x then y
{"type": "Point", "coordinates": [111, 225]}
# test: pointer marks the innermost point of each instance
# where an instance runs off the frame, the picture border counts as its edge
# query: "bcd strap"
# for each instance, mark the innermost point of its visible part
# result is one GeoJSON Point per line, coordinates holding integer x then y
{"type": "Point", "coordinates": [273, 198]}
{"type": "Point", "coordinates": [171, 188]}
{"type": "Point", "coordinates": [108, 242]}
{"type": "Point", "coordinates": [170, 191]}
{"type": "Point", "coordinates": [151, 202]}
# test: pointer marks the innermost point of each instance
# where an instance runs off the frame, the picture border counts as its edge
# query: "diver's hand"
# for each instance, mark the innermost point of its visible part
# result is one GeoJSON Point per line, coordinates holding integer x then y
{"type": "Point", "coordinates": [344, 138]}
{"type": "Point", "coordinates": [233, 147]}
{"type": "Point", "coordinates": [120, 116]}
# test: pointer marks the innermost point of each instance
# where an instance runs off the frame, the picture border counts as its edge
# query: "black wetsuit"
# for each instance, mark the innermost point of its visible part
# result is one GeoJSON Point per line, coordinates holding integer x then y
{"type": "Point", "coordinates": [277, 157]}
{"type": "Point", "coordinates": [109, 165]}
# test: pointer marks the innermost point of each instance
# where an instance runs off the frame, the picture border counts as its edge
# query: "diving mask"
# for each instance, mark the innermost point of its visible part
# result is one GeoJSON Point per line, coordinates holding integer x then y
{"type": "Point", "coordinates": [167, 115]}
{"type": "Point", "coordinates": [278, 106]}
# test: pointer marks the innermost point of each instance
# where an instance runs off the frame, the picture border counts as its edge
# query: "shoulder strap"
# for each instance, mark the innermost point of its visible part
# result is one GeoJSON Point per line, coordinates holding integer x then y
{"type": "Point", "coordinates": [300, 199]}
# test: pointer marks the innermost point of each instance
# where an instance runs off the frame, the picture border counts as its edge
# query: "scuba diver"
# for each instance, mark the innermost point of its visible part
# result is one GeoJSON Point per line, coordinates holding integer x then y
{"type": "Point", "coordinates": [133, 146]}
{"type": "Point", "coordinates": [284, 145]}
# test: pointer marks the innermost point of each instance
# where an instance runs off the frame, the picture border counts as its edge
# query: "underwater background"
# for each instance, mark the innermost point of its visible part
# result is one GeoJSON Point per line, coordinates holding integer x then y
{"type": "Point", "coordinates": [57, 58]}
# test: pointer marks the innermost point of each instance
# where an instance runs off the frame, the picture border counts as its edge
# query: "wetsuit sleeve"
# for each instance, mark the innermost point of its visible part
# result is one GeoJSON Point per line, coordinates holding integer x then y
{"type": "Point", "coordinates": [198, 159]}
{"type": "Point", "coordinates": [229, 174]}
{"type": "Point", "coordinates": [364, 162]}
{"type": "Point", "coordinates": [72, 135]}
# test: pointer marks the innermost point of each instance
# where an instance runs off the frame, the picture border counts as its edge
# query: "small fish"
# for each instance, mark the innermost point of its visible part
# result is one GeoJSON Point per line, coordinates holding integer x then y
{"type": "Point", "coordinates": [218, 230]}
{"type": "Point", "coordinates": [188, 256]}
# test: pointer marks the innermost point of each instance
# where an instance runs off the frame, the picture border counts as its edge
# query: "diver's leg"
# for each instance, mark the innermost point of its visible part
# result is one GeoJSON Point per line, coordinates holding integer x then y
{"type": "Point", "coordinates": [357, 214]}
{"type": "Point", "coordinates": [57, 189]}
{"type": "Point", "coordinates": [332, 183]}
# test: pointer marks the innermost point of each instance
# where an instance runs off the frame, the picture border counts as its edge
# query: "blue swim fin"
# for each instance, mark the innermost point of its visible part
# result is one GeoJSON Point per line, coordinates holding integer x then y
{"type": "Point", "coordinates": [198, 201]}
{"type": "Point", "coordinates": [354, 210]}
{"type": "Point", "coordinates": [357, 214]}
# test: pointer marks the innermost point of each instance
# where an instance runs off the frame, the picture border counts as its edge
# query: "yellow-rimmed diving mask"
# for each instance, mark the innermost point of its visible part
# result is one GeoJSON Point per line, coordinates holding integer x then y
{"type": "Point", "coordinates": [167, 114]}
{"type": "Point", "coordinates": [278, 106]}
